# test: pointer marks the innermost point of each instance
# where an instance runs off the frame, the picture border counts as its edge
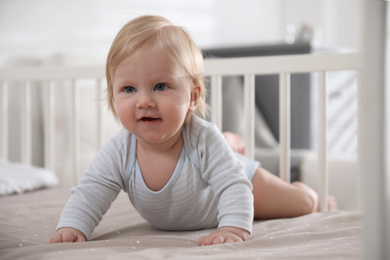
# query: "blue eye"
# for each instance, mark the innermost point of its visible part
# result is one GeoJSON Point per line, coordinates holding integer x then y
{"type": "Point", "coordinates": [129, 89]}
{"type": "Point", "coordinates": [160, 87]}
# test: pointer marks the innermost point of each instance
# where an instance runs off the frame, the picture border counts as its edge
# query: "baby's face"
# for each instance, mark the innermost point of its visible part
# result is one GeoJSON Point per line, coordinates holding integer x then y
{"type": "Point", "coordinates": [152, 96]}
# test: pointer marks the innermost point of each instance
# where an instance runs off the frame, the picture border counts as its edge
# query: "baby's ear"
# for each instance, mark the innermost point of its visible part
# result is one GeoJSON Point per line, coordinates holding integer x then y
{"type": "Point", "coordinates": [195, 97]}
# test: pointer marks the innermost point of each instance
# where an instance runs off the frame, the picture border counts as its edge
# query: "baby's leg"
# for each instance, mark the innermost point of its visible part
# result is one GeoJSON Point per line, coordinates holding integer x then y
{"type": "Point", "coordinates": [275, 198]}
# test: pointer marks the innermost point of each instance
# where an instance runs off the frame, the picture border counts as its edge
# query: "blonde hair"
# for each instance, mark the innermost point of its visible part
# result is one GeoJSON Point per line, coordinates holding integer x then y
{"type": "Point", "coordinates": [157, 34]}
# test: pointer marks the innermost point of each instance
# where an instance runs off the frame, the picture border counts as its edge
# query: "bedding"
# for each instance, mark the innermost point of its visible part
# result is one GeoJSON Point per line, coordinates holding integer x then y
{"type": "Point", "coordinates": [28, 220]}
{"type": "Point", "coordinates": [19, 178]}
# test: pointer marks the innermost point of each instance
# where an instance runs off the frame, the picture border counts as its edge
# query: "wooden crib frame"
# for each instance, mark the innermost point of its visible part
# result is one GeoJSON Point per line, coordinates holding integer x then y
{"type": "Point", "coordinates": [373, 115]}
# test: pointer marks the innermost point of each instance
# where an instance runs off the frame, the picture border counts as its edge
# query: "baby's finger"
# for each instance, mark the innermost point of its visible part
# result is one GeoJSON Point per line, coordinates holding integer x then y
{"type": "Point", "coordinates": [218, 240]}
{"type": "Point", "coordinates": [205, 240]}
{"type": "Point", "coordinates": [57, 238]}
{"type": "Point", "coordinates": [80, 239]}
{"type": "Point", "coordinates": [68, 237]}
{"type": "Point", "coordinates": [228, 241]}
{"type": "Point", "coordinates": [238, 239]}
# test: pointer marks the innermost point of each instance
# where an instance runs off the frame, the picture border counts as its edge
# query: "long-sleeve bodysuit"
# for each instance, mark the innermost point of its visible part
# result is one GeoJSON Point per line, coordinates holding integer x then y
{"type": "Point", "coordinates": [208, 187]}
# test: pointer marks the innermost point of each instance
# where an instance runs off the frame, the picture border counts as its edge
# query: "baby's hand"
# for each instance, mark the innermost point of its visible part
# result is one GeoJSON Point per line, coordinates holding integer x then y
{"type": "Point", "coordinates": [64, 235]}
{"type": "Point", "coordinates": [225, 235]}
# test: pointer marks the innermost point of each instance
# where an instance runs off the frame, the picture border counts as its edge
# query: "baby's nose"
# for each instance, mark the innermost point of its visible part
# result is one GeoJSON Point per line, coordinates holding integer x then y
{"type": "Point", "coordinates": [145, 101]}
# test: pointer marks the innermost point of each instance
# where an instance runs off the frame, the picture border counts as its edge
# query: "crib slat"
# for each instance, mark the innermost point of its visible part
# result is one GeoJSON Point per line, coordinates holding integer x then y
{"type": "Point", "coordinates": [249, 115]}
{"type": "Point", "coordinates": [284, 125]}
{"type": "Point", "coordinates": [216, 100]}
{"type": "Point", "coordinates": [50, 125]}
{"type": "Point", "coordinates": [26, 123]}
{"type": "Point", "coordinates": [4, 120]}
{"type": "Point", "coordinates": [75, 131]}
{"type": "Point", "coordinates": [322, 142]}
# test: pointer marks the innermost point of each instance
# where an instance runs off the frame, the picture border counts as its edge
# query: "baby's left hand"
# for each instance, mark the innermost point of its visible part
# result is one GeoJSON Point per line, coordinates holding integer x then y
{"type": "Point", "coordinates": [225, 235]}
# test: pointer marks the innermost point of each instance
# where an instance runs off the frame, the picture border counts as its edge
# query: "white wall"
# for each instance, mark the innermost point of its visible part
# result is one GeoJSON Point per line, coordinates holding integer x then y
{"type": "Point", "coordinates": [43, 27]}
{"type": "Point", "coordinates": [246, 22]}
{"type": "Point", "coordinates": [337, 22]}
{"type": "Point", "coordinates": [86, 28]}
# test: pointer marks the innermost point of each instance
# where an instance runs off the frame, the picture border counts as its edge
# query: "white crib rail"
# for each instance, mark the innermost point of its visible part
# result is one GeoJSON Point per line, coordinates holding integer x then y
{"type": "Point", "coordinates": [48, 77]}
{"type": "Point", "coordinates": [374, 129]}
{"type": "Point", "coordinates": [284, 66]}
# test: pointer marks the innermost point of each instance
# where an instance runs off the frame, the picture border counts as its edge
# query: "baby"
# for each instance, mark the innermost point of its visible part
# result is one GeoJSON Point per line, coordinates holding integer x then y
{"type": "Point", "coordinates": [178, 169]}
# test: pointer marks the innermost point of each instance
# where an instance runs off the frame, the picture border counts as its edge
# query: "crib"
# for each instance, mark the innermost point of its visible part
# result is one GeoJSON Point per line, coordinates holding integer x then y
{"type": "Point", "coordinates": [284, 66]}
{"type": "Point", "coordinates": [123, 233]}
{"type": "Point", "coordinates": [215, 69]}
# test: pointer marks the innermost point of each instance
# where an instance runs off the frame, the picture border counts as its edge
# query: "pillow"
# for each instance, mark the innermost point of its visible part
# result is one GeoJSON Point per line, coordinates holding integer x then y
{"type": "Point", "coordinates": [19, 178]}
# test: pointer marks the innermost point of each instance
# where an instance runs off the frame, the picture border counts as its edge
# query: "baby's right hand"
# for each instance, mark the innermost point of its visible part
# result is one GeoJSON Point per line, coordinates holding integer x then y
{"type": "Point", "coordinates": [64, 235]}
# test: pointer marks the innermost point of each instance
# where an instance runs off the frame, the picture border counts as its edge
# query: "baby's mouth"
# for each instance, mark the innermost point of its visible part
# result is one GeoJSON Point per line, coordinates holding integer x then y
{"type": "Point", "coordinates": [148, 119]}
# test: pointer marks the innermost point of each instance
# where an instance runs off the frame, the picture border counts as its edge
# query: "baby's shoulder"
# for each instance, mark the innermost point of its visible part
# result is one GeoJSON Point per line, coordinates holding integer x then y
{"type": "Point", "coordinates": [199, 133]}
{"type": "Point", "coordinates": [121, 141]}
{"type": "Point", "coordinates": [122, 135]}
{"type": "Point", "coordinates": [199, 126]}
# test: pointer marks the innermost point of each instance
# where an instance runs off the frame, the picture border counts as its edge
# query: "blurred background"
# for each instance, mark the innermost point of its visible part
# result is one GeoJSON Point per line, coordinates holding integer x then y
{"type": "Point", "coordinates": [85, 29]}
{"type": "Point", "coordinates": [80, 32]}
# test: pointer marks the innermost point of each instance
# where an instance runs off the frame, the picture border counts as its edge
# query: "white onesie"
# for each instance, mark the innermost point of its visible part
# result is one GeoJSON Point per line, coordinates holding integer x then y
{"type": "Point", "coordinates": [208, 188]}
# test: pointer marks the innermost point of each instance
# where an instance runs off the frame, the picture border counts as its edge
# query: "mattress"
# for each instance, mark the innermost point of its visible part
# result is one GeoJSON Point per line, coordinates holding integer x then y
{"type": "Point", "coordinates": [27, 220]}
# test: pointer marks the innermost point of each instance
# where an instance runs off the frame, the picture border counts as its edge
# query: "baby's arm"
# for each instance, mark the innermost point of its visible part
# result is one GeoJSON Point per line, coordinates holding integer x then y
{"type": "Point", "coordinates": [225, 235]}
{"type": "Point", "coordinates": [91, 199]}
{"type": "Point", "coordinates": [225, 174]}
{"type": "Point", "coordinates": [64, 235]}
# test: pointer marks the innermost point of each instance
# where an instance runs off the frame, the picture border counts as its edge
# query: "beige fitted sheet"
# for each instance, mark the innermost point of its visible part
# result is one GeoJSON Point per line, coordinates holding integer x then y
{"type": "Point", "coordinates": [28, 220]}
